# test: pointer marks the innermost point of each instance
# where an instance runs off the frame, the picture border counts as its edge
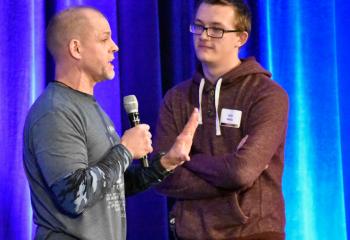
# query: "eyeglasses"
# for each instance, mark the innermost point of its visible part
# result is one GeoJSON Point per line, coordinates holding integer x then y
{"type": "Point", "coordinates": [213, 32]}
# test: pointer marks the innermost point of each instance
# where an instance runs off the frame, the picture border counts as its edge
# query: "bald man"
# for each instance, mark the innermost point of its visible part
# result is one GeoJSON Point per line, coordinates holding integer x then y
{"type": "Point", "coordinates": [76, 164]}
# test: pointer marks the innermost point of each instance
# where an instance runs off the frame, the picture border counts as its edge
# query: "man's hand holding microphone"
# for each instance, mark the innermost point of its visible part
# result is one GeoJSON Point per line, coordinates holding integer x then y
{"type": "Point", "coordinates": [138, 138]}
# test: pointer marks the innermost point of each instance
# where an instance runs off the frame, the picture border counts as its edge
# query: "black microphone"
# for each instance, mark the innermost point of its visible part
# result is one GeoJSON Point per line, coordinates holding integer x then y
{"type": "Point", "coordinates": [131, 107]}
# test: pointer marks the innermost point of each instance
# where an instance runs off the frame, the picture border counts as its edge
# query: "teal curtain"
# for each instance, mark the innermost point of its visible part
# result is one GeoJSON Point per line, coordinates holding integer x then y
{"type": "Point", "coordinates": [302, 52]}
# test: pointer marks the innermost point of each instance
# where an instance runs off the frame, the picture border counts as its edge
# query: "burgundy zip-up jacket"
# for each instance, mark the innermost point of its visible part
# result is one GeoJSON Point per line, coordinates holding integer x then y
{"type": "Point", "coordinates": [231, 187]}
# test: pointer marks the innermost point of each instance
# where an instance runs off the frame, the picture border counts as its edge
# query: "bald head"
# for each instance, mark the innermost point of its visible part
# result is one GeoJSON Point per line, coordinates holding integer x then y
{"type": "Point", "coordinates": [72, 23]}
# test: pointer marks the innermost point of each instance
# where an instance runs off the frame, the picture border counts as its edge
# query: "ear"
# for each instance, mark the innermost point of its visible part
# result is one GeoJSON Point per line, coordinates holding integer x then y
{"type": "Point", "coordinates": [243, 37]}
{"type": "Point", "coordinates": [75, 48]}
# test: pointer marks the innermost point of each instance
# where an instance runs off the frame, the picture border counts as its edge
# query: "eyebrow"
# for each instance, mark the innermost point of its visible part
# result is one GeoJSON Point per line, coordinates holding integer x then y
{"type": "Point", "coordinates": [215, 24]}
{"type": "Point", "coordinates": [107, 33]}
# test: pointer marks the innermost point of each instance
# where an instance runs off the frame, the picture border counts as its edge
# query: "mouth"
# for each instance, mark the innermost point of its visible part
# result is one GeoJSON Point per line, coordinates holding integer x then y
{"type": "Point", "coordinates": [110, 62]}
{"type": "Point", "coordinates": [202, 46]}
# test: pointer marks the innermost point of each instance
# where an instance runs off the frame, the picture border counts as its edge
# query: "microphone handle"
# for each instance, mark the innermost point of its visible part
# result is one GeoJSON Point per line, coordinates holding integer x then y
{"type": "Point", "coordinates": [134, 121]}
{"type": "Point", "coordinates": [144, 161]}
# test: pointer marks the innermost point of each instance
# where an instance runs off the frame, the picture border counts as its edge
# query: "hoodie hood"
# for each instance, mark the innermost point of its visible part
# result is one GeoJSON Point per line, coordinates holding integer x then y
{"type": "Point", "coordinates": [247, 67]}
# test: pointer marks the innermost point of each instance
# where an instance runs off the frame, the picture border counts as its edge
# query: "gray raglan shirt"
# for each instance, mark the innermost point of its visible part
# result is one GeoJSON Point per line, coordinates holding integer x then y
{"type": "Point", "coordinates": [76, 168]}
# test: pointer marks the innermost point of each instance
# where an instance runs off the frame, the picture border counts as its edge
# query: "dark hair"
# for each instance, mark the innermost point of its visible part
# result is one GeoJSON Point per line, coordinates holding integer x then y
{"type": "Point", "coordinates": [241, 9]}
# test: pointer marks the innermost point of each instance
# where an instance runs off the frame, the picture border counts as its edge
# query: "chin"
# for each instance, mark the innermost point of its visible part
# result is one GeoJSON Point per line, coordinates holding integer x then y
{"type": "Point", "coordinates": [110, 75]}
{"type": "Point", "coordinates": [205, 60]}
{"type": "Point", "coordinates": [105, 78]}
{"type": "Point", "coordinates": [203, 57]}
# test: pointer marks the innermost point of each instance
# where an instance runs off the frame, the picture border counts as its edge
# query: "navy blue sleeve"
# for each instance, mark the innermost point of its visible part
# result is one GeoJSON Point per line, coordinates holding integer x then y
{"type": "Point", "coordinates": [138, 179]}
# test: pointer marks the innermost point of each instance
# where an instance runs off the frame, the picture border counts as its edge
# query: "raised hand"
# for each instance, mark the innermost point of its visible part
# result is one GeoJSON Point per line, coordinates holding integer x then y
{"type": "Point", "coordinates": [179, 152]}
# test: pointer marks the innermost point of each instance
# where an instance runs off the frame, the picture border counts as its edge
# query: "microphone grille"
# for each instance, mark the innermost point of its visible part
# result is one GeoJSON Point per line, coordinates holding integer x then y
{"type": "Point", "coordinates": [130, 104]}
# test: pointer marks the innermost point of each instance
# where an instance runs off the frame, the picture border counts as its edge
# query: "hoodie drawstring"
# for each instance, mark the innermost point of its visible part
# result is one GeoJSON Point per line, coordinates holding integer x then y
{"type": "Point", "coordinates": [201, 87]}
{"type": "Point", "coordinates": [217, 96]}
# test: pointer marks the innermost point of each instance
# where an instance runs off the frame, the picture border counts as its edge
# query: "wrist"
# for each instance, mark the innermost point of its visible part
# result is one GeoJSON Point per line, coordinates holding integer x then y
{"type": "Point", "coordinates": [125, 150]}
{"type": "Point", "coordinates": [125, 146]}
{"type": "Point", "coordinates": [158, 165]}
{"type": "Point", "coordinates": [166, 163]}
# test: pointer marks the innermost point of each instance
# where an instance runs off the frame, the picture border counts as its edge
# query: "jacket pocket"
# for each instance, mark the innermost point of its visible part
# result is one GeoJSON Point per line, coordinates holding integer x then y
{"type": "Point", "coordinates": [213, 218]}
{"type": "Point", "coordinates": [237, 211]}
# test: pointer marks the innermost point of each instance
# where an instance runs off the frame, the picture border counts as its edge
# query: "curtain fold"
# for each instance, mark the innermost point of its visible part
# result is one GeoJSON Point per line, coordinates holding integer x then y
{"type": "Point", "coordinates": [21, 79]}
{"type": "Point", "coordinates": [341, 23]}
{"type": "Point", "coordinates": [304, 44]}
{"type": "Point", "coordinates": [140, 74]}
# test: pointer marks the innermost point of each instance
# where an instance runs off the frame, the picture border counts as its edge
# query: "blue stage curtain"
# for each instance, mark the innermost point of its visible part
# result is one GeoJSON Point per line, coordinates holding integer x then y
{"type": "Point", "coordinates": [138, 36]}
{"type": "Point", "coordinates": [305, 44]}
{"type": "Point", "coordinates": [302, 53]}
{"type": "Point", "coordinates": [22, 71]}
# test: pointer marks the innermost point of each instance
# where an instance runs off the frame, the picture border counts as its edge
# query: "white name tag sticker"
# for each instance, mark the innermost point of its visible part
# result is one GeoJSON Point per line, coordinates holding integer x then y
{"type": "Point", "coordinates": [230, 118]}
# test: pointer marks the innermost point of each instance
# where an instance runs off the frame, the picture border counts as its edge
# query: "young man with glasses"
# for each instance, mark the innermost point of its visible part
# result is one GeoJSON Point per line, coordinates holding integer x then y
{"type": "Point", "coordinates": [231, 188]}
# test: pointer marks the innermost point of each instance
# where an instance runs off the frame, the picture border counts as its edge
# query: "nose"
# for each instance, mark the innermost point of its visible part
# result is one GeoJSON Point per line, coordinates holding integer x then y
{"type": "Point", "coordinates": [204, 34]}
{"type": "Point", "coordinates": [115, 47]}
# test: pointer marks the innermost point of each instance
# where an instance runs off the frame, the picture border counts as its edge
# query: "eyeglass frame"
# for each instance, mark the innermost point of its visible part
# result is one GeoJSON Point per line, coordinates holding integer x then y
{"type": "Point", "coordinates": [208, 28]}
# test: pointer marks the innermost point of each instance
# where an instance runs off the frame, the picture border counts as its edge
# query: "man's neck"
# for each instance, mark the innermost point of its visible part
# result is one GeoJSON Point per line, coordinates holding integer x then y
{"type": "Point", "coordinates": [213, 72]}
{"type": "Point", "coordinates": [74, 79]}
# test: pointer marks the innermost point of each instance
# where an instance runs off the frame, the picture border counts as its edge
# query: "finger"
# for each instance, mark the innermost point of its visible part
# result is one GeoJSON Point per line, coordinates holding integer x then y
{"type": "Point", "coordinates": [192, 124]}
{"type": "Point", "coordinates": [184, 158]}
{"type": "Point", "coordinates": [147, 135]}
{"type": "Point", "coordinates": [144, 126]}
{"type": "Point", "coordinates": [182, 162]}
